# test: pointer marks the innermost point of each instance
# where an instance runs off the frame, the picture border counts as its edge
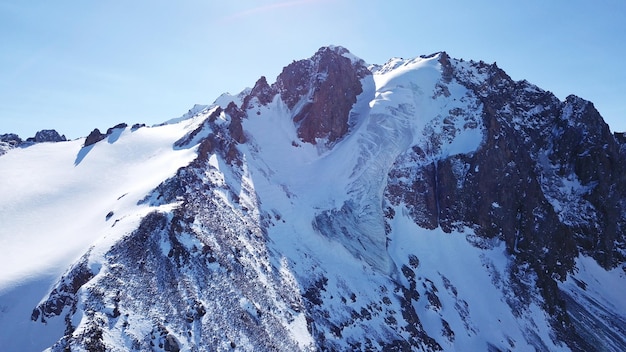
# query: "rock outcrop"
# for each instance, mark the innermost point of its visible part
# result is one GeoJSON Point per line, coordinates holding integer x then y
{"type": "Point", "coordinates": [321, 92]}
{"type": "Point", "coordinates": [47, 136]}
{"type": "Point", "coordinates": [94, 137]}
{"type": "Point", "coordinates": [9, 141]}
{"type": "Point", "coordinates": [262, 92]}
{"type": "Point", "coordinates": [119, 126]}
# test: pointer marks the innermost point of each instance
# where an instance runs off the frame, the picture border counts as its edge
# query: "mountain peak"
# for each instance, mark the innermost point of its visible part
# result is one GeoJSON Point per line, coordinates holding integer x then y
{"type": "Point", "coordinates": [262, 91]}
{"type": "Point", "coordinates": [428, 204]}
{"type": "Point", "coordinates": [339, 50]}
{"type": "Point", "coordinates": [47, 136]}
{"type": "Point", "coordinates": [321, 91]}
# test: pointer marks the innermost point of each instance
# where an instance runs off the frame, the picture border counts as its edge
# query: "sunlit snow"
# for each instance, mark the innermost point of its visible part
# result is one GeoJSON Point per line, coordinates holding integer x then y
{"type": "Point", "coordinates": [53, 209]}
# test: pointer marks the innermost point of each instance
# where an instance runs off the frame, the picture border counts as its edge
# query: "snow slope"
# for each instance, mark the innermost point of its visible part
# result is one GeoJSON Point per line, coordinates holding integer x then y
{"type": "Point", "coordinates": [58, 199]}
{"type": "Point", "coordinates": [339, 194]}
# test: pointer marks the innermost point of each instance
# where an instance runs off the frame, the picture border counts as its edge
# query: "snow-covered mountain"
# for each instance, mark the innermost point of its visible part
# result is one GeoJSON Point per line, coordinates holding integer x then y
{"type": "Point", "coordinates": [424, 204]}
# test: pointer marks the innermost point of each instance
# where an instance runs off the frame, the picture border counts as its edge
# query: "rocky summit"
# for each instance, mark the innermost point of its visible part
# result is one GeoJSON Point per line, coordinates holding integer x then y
{"type": "Point", "coordinates": [429, 204]}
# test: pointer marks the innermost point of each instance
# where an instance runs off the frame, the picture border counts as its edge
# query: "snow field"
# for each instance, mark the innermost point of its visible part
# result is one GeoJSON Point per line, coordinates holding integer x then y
{"type": "Point", "coordinates": [55, 205]}
{"type": "Point", "coordinates": [471, 284]}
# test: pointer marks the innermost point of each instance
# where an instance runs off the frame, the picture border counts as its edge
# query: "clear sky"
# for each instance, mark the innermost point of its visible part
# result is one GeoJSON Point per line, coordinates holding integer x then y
{"type": "Point", "coordinates": [77, 65]}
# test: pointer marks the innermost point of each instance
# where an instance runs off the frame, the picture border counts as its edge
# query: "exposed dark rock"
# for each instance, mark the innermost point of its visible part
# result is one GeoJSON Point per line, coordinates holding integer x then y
{"type": "Point", "coordinates": [118, 126]}
{"type": "Point", "coordinates": [313, 293]}
{"type": "Point", "coordinates": [64, 293]}
{"type": "Point", "coordinates": [171, 344]}
{"type": "Point", "coordinates": [584, 147]}
{"type": "Point", "coordinates": [502, 188]}
{"type": "Point", "coordinates": [94, 137]}
{"type": "Point", "coordinates": [11, 139]}
{"type": "Point", "coordinates": [446, 330]}
{"type": "Point", "coordinates": [216, 137]}
{"type": "Point", "coordinates": [214, 115]}
{"type": "Point", "coordinates": [321, 91]}
{"type": "Point", "coordinates": [195, 136]}
{"type": "Point", "coordinates": [235, 128]}
{"type": "Point", "coordinates": [47, 136]}
{"type": "Point", "coordinates": [137, 126]}
{"type": "Point", "coordinates": [446, 67]}
{"type": "Point", "coordinates": [262, 91]}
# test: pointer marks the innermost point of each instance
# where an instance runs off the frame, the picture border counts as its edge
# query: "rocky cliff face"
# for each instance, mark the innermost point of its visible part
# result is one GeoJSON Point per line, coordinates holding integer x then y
{"type": "Point", "coordinates": [545, 181]}
{"type": "Point", "coordinates": [321, 92]}
{"type": "Point", "coordinates": [454, 179]}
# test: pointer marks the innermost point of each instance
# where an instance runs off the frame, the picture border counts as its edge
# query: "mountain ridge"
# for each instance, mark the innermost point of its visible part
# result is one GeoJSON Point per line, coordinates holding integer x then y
{"type": "Point", "coordinates": [305, 219]}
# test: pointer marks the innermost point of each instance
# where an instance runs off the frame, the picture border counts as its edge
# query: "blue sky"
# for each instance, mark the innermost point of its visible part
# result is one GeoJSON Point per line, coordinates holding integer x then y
{"type": "Point", "coordinates": [78, 65]}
